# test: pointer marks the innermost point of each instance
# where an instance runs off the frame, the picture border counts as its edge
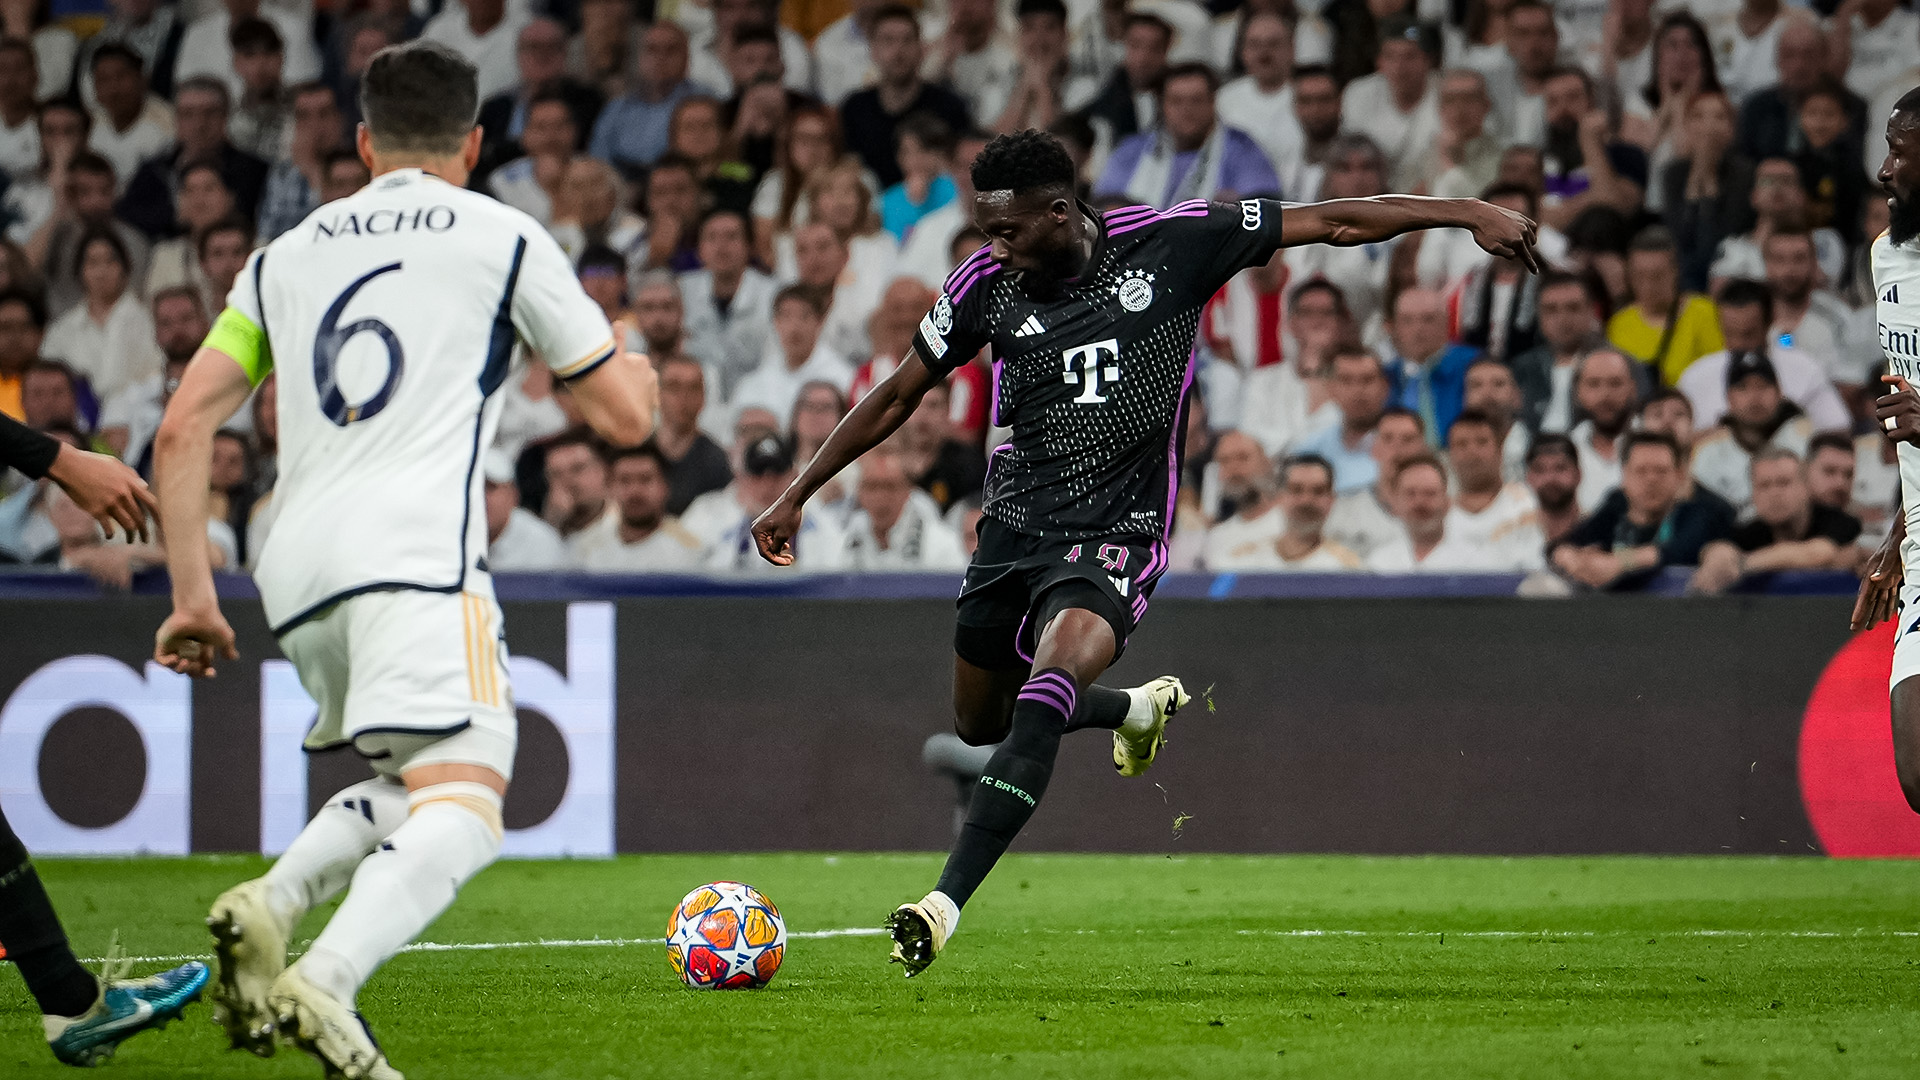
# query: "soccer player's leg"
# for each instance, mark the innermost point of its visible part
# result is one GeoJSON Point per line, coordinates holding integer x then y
{"type": "Point", "coordinates": [1904, 685]}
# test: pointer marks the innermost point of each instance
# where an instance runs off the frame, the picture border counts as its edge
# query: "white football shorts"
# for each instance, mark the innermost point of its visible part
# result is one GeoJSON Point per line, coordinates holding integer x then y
{"type": "Point", "coordinates": [410, 678]}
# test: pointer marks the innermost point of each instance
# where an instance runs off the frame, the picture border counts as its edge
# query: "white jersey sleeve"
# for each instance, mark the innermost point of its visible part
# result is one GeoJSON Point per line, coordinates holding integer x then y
{"type": "Point", "coordinates": [554, 316]}
{"type": "Point", "coordinates": [1896, 287]}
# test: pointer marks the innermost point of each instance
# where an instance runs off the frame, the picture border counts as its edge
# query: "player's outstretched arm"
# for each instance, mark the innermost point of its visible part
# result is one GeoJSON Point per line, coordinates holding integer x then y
{"type": "Point", "coordinates": [196, 634]}
{"type": "Point", "coordinates": [617, 399]}
{"type": "Point", "coordinates": [1346, 222]}
{"type": "Point", "coordinates": [878, 415]}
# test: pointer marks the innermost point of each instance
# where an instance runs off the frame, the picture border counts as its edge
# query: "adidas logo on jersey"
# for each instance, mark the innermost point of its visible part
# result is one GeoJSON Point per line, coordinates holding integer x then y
{"type": "Point", "coordinates": [1892, 295]}
{"type": "Point", "coordinates": [1030, 328]}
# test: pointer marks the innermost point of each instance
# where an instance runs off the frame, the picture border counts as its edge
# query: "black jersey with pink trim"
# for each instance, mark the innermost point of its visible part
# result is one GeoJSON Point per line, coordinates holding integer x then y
{"type": "Point", "coordinates": [1092, 374]}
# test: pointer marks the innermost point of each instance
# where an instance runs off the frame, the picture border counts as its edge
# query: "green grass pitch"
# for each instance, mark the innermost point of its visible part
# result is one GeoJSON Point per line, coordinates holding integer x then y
{"type": "Point", "coordinates": [1085, 966]}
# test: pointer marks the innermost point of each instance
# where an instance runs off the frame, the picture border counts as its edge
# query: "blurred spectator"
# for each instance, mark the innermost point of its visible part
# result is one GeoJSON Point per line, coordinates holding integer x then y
{"type": "Point", "coordinates": [1492, 392]}
{"type": "Point", "coordinates": [206, 49]}
{"type": "Point", "coordinates": [1569, 329]}
{"type": "Point", "coordinates": [1586, 164]}
{"type": "Point", "coordinates": [738, 23]}
{"type": "Point", "coordinates": [1830, 469]}
{"type": "Point", "coordinates": [870, 118]}
{"type": "Point", "coordinates": [576, 482]}
{"type": "Point", "coordinates": [602, 52]}
{"type": "Point", "coordinates": [1746, 311]}
{"type": "Point", "coordinates": [230, 483]}
{"type": "Point", "coordinates": [27, 202]}
{"type": "Point", "coordinates": [639, 535]}
{"type": "Point", "coordinates": [631, 132]}
{"type": "Point", "coordinates": [1829, 161]}
{"type": "Point", "coordinates": [1553, 475]}
{"type": "Point", "coordinates": [722, 519]}
{"type": "Point", "coordinates": [1872, 41]}
{"type": "Point", "coordinates": [22, 323]}
{"type": "Point", "coordinates": [1359, 388]}
{"type": "Point", "coordinates": [812, 142]}
{"type": "Point", "coordinates": [698, 134]}
{"type": "Point", "coordinates": [1306, 498]}
{"type": "Point", "coordinates": [1316, 109]}
{"type": "Point", "coordinates": [1679, 69]}
{"type": "Point", "coordinates": [1770, 115]}
{"type": "Point", "coordinates": [797, 356]}
{"type": "Point", "coordinates": [1604, 392]}
{"type": "Point", "coordinates": [1283, 403]}
{"type": "Point", "coordinates": [150, 29]}
{"type": "Point", "coordinates": [855, 263]}
{"type": "Point", "coordinates": [891, 329]}
{"type": "Point", "coordinates": [672, 210]}
{"type": "Point", "coordinates": [540, 59]}
{"type": "Point", "coordinates": [1749, 44]}
{"type": "Point", "coordinates": [1643, 527]}
{"type": "Point", "coordinates": [1355, 169]}
{"type": "Point", "coordinates": [1189, 155]}
{"type": "Point", "coordinates": [1707, 196]}
{"type": "Point", "coordinates": [896, 526]}
{"type": "Point", "coordinates": [817, 410]}
{"type": "Point", "coordinates": [1811, 320]}
{"type": "Point", "coordinates": [1252, 520]}
{"type": "Point", "coordinates": [1876, 484]}
{"type": "Point", "coordinates": [263, 109]}
{"type": "Point", "coordinates": [728, 304]}
{"type": "Point", "coordinates": [593, 191]}
{"type": "Point", "coordinates": [1126, 103]}
{"type": "Point", "coordinates": [200, 115]}
{"type": "Point", "coordinates": [972, 57]}
{"type": "Point", "coordinates": [222, 251]}
{"type": "Point", "coordinates": [50, 398]}
{"type": "Point", "coordinates": [842, 54]}
{"type": "Point", "coordinates": [19, 134]}
{"type": "Point", "coordinates": [603, 276]}
{"type": "Point", "coordinates": [1496, 306]}
{"type": "Point", "coordinates": [1789, 531]}
{"type": "Point", "coordinates": [1663, 328]}
{"type": "Point", "coordinates": [1464, 157]}
{"type": "Point", "coordinates": [344, 174]}
{"type": "Point", "coordinates": [27, 531]}
{"type": "Point", "coordinates": [1429, 372]}
{"type": "Point", "coordinates": [1419, 494]}
{"type": "Point", "coordinates": [128, 420]}
{"type": "Point", "coordinates": [695, 463]}
{"type": "Point", "coordinates": [1260, 102]}
{"type": "Point", "coordinates": [926, 253]}
{"type": "Point", "coordinates": [533, 183]}
{"type": "Point", "coordinates": [293, 186]}
{"type": "Point", "coordinates": [109, 336]}
{"type": "Point", "coordinates": [1779, 204]}
{"type": "Point", "coordinates": [83, 202]}
{"type": "Point", "coordinates": [1597, 243]}
{"type": "Point", "coordinates": [517, 540]}
{"type": "Point", "coordinates": [936, 462]}
{"type": "Point", "coordinates": [1042, 76]}
{"type": "Point", "coordinates": [485, 32]}
{"type": "Point", "coordinates": [756, 114]}
{"type": "Point", "coordinates": [1364, 520]}
{"type": "Point", "coordinates": [1501, 519]}
{"type": "Point", "coordinates": [1533, 55]}
{"type": "Point", "coordinates": [204, 201]}
{"type": "Point", "coordinates": [926, 162]}
{"type": "Point", "coordinates": [1757, 417]}
{"type": "Point", "coordinates": [659, 314]}
{"type": "Point", "coordinates": [1398, 106]}
{"type": "Point", "coordinates": [130, 124]}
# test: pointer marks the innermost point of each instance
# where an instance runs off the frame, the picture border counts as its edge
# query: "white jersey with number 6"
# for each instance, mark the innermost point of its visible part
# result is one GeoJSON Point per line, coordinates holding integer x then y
{"type": "Point", "coordinates": [393, 316]}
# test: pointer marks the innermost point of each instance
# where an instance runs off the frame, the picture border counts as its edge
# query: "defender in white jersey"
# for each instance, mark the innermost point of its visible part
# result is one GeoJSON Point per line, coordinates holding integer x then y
{"type": "Point", "coordinates": [1894, 570]}
{"type": "Point", "coordinates": [393, 317]}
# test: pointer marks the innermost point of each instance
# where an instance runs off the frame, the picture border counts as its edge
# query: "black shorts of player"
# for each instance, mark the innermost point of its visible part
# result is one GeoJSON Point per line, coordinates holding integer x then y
{"type": "Point", "coordinates": [1017, 583]}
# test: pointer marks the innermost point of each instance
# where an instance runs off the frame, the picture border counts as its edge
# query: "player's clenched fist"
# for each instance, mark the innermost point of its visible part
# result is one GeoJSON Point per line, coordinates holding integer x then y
{"type": "Point", "coordinates": [190, 641]}
{"type": "Point", "coordinates": [1899, 411]}
{"type": "Point", "coordinates": [773, 529]}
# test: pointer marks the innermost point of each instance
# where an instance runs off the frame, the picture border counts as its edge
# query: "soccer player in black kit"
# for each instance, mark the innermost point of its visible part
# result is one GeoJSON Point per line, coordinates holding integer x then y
{"type": "Point", "coordinates": [1092, 319]}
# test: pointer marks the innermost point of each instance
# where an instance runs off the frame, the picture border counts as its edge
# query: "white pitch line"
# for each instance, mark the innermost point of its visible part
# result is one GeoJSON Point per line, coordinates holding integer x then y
{"type": "Point", "coordinates": [544, 943]}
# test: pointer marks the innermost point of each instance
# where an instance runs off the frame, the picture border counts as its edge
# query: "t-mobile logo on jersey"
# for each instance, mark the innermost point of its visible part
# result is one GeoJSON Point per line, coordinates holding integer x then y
{"type": "Point", "coordinates": [1097, 363]}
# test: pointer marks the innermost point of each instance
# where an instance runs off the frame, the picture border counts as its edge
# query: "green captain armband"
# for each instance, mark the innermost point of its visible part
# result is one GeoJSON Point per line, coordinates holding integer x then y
{"type": "Point", "coordinates": [237, 336]}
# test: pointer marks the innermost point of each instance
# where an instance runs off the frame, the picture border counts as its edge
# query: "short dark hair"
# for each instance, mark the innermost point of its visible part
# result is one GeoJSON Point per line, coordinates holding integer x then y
{"type": "Point", "coordinates": [105, 234]}
{"type": "Point", "coordinates": [1024, 161]}
{"type": "Point", "coordinates": [1354, 348]}
{"type": "Point", "coordinates": [1565, 71]}
{"type": "Point", "coordinates": [1522, 191]}
{"type": "Point", "coordinates": [1055, 8]}
{"type": "Point", "coordinates": [1423, 459]}
{"type": "Point", "coordinates": [229, 224]}
{"type": "Point", "coordinates": [1831, 440]}
{"type": "Point", "coordinates": [204, 84]}
{"type": "Point", "coordinates": [1600, 229]}
{"type": "Point", "coordinates": [890, 12]}
{"type": "Point", "coordinates": [1553, 443]}
{"type": "Point", "coordinates": [52, 105]}
{"type": "Point", "coordinates": [1745, 292]}
{"type": "Point", "coordinates": [1667, 393]}
{"type": "Point", "coordinates": [1653, 238]}
{"type": "Point", "coordinates": [36, 307]}
{"type": "Point", "coordinates": [806, 294]}
{"type": "Point", "coordinates": [601, 257]}
{"type": "Point", "coordinates": [1473, 417]}
{"type": "Point", "coordinates": [1142, 18]}
{"type": "Point", "coordinates": [1316, 71]}
{"type": "Point", "coordinates": [1795, 231]}
{"type": "Point", "coordinates": [1319, 284]}
{"type": "Point", "coordinates": [578, 435]}
{"type": "Point", "coordinates": [1633, 440]}
{"type": "Point", "coordinates": [931, 132]}
{"type": "Point", "coordinates": [755, 32]}
{"type": "Point", "coordinates": [113, 50]}
{"type": "Point", "coordinates": [255, 36]}
{"type": "Point", "coordinates": [1827, 87]}
{"type": "Point", "coordinates": [178, 292]}
{"type": "Point", "coordinates": [1401, 410]}
{"type": "Point", "coordinates": [1307, 460]}
{"type": "Point", "coordinates": [1191, 69]}
{"type": "Point", "coordinates": [1560, 279]}
{"type": "Point", "coordinates": [86, 161]}
{"type": "Point", "coordinates": [718, 212]}
{"type": "Point", "coordinates": [1909, 102]}
{"type": "Point", "coordinates": [646, 450]}
{"type": "Point", "coordinates": [420, 97]}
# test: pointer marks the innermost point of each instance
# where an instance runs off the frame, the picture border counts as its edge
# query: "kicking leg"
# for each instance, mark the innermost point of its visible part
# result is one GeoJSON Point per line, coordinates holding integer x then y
{"type": "Point", "coordinates": [1906, 739]}
{"type": "Point", "coordinates": [252, 921]}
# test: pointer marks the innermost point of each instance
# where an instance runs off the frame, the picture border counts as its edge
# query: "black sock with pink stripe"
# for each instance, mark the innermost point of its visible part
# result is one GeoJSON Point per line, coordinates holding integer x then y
{"type": "Point", "coordinates": [1013, 782]}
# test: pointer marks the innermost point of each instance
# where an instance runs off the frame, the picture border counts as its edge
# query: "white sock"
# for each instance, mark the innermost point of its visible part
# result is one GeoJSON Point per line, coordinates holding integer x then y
{"type": "Point", "coordinates": [320, 861]}
{"type": "Point", "coordinates": [400, 889]}
{"type": "Point", "coordinates": [947, 907]}
{"type": "Point", "coordinates": [1139, 712]}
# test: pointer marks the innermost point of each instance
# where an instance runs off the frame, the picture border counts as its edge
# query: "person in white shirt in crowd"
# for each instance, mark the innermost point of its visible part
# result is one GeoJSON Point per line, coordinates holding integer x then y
{"type": "Point", "coordinates": [1284, 403]}
{"type": "Point", "coordinates": [1043, 79]}
{"type": "Point", "coordinates": [1252, 520]}
{"type": "Point", "coordinates": [1569, 329]}
{"type": "Point", "coordinates": [486, 32]}
{"type": "Point", "coordinates": [1492, 392]}
{"type": "Point", "coordinates": [260, 123]}
{"type": "Point", "coordinates": [517, 540]}
{"type": "Point", "coordinates": [707, 62]}
{"type": "Point", "coordinates": [533, 181]}
{"type": "Point", "coordinates": [129, 419]}
{"type": "Point", "coordinates": [927, 253]}
{"type": "Point", "coordinates": [1746, 312]}
{"type": "Point", "coordinates": [1358, 384]}
{"type": "Point", "coordinates": [1189, 154]}
{"type": "Point", "coordinates": [576, 482]}
{"type": "Point", "coordinates": [638, 535]}
{"type": "Point", "coordinates": [841, 58]}
{"type": "Point", "coordinates": [1518, 84]}
{"type": "Point", "coordinates": [728, 304]}
{"type": "Point", "coordinates": [1808, 319]}
{"type": "Point", "coordinates": [822, 263]}
{"type": "Point", "coordinates": [1096, 44]}
{"type": "Point", "coordinates": [130, 124]}
{"type": "Point", "coordinates": [1553, 476]}
{"type": "Point", "coordinates": [206, 48]}
{"type": "Point", "coordinates": [1419, 493]}
{"type": "Point", "coordinates": [817, 409]}
{"type": "Point", "coordinates": [1355, 169]}
{"type": "Point", "coordinates": [204, 200]}
{"type": "Point", "coordinates": [1464, 158]}
{"type": "Point", "coordinates": [1363, 521]}
{"type": "Point", "coordinates": [1606, 394]}
{"type": "Point", "coordinates": [1316, 112]}
{"type": "Point", "coordinates": [1500, 518]}
{"type": "Point", "coordinates": [896, 526]}
{"type": "Point", "coordinates": [595, 198]}
{"type": "Point", "coordinates": [1306, 498]}
{"type": "Point", "coordinates": [108, 337]}
{"type": "Point", "coordinates": [722, 520]}
{"type": "Point", "coordinates": [1748, 45]}
{"type": "Point", "coordinates": [1758, 416]}
{"type": "Point", "coordinates": [971, 55]}
{"type": "Point", "coordinates": [659, 313]}
{"type": "Point", "coordinates": [1260, 102]}
{"type": "Point", "coordinates": [1398, 106]}
{"type": "Point", "coordinates": [798, 355]}
{"type": "Point", "coordinates": [1873, 42]}
{"type": "Point", "coordinates": [1779, 203]}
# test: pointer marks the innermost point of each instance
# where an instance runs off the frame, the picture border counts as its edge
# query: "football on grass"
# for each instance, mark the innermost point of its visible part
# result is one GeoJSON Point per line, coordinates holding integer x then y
{"type": "Point", "coordinates": [726, 936]}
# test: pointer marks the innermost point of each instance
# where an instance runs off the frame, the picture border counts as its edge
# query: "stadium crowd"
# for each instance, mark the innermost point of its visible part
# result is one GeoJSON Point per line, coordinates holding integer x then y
{"type": "Point", "coordinates": [772, 196]}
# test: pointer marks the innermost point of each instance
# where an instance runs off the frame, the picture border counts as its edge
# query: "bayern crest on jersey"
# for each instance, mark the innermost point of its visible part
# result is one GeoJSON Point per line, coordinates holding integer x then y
{"type": "Point", "coordinates": [1135, 290]}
